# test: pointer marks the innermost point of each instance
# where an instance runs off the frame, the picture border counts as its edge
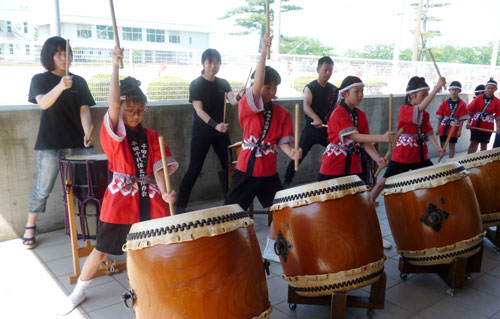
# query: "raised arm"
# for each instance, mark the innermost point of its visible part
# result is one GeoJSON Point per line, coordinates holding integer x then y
{"type": "Point", "coordinates": [427, 100]}
{"type": "Point", "coordinates": [114, 88]}
{"type": "Point", "coordinates": [260, 71]}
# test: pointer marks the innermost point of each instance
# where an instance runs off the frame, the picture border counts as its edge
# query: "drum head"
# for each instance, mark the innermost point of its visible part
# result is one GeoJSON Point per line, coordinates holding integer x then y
{"type": "Point", "coordinates": [187, 227]}
{"type": "Point", "coordinates": [427, 177]}
{"type": "Point", "coordinates": [318, 192]}
{"type": "Point", "coordinates": [87, 157]}
{"type": "Point", "coordinates": [477, 159]}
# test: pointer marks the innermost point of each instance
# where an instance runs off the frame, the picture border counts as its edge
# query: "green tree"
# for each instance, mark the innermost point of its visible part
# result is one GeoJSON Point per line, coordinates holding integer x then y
{"type": "Point", "coordinates": [382, 51]}
{"type": "Point", "coordinates": [304, 45]}
{"type": "Point", "coordinates": [252, 16]}
{"type": "Point", "coordinates": [425, 34]}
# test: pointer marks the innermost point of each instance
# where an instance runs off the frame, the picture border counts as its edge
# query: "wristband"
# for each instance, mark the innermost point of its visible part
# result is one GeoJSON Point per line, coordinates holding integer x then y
{"type": "Point", "coordinates": [212, 123]}
{"type": "Point", "coordinates": [238, 97]}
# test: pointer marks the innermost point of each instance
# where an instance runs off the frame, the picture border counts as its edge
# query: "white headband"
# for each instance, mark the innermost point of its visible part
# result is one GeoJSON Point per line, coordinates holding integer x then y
{"type": "Point", "coordinates": [455, 87]}
{"type": "Point", "coordinates": [417, 90]}
{"type": "Point", "coordinates": [347, 89]}
{"type": "Point", "coordinates": [491, 83]}
{"type": "Point", "coordinates": [479, 91]}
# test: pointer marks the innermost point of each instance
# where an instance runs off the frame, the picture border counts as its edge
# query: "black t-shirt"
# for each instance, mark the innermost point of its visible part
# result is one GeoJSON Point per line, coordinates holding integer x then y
{"type": "Point", "coordinates": [211, 95]}
{"type": "Point", "coordinates": [323, 99]}
{"type": "Point", "coordinates": [60, 124]}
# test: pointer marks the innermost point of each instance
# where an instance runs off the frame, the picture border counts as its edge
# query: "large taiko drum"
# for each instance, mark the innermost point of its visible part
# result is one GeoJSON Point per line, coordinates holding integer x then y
{"type": "Point", "coordinates": [484, 173]}
{"type": "Point", "coordinates": [433, 214]}
{"type": "Point", "coordinates": [204, 264]}
{"type": "Point", "coordinates": [328, 236]}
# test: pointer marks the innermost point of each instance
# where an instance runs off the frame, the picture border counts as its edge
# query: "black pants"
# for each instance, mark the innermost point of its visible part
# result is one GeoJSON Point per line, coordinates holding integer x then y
{"type": "Point", "coordinates": [309, 137]}
{"type": "Point", "coordinates": [244, 188]}
{"type": "Point", "coordinates": [497, 141]}
{"type": "Point", "coordinates": [199, 149]}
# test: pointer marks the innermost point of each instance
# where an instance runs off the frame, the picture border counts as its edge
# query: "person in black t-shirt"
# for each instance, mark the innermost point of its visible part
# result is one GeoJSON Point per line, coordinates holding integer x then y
{"type": "Point", "coordinates": [320, 98]}
{"type": "Point", "coordinates": [207, 95]}
{"type": "Point", "coordinates": [64, 124]}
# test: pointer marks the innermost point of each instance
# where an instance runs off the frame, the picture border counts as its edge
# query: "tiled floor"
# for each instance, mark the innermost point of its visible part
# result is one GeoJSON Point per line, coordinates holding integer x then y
{"type": "Point", "coordinates": [33, 284]}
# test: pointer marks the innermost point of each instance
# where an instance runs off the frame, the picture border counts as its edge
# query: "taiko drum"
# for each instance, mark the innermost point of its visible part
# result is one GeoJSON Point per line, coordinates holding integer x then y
{"type": "Point", "coordinates": [328, 236]}
{"type": "Point", "coordinates": [204, 264]}
{"type": "Point", "coordinates": [484, 173]}
{"type": "Point", "coordinates": [433, 214]}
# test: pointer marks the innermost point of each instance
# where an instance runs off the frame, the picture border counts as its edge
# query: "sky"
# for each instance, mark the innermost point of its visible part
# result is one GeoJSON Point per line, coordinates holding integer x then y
{"type": "Point", "coordinates": [343, 24]}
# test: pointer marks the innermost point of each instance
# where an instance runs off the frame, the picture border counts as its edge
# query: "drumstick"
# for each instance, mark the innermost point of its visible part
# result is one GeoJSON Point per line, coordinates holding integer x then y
{"type": "Point", "coordinates": [453, 127]}
{"type": "Point", "coordinates": [165, 173]}
{"type": "Point", "coordinates": [297, 110]}
{"type": "Point", "coordinates": [435, 65]}
{"type": "Point", "coordinates": [225, 105]}
{"type": "Point", "coordinates": [67, 57]}
{"type": "Point", "coordinates": [115, 29]}
{"type": "Point", "coordinates": [482, 129]}
{"type": "Point", "coordinates": [389, 151]}
{"type": "Point", "coordinates": [268, 28]}
{"type": "Point", "coordinates": [89, 135]}
{"type": "Point", "coordinates": [249, 73]}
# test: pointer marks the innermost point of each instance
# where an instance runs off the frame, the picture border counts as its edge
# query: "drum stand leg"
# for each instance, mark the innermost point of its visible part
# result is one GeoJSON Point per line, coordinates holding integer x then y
{"type": "Point", "coordinates": [107, 267]}
{"type": "Point", "coordinates": [339, 301]}
{"type": "Point", "coordinates": [454, 273]}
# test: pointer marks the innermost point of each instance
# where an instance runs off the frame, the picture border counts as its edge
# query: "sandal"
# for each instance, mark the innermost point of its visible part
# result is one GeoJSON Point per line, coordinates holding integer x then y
{"type": "Point", "coordinates": [30, 242]}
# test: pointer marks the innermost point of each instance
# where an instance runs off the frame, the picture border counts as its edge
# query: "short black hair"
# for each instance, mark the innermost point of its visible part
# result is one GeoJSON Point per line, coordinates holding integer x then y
{"type": "Point", "coordinates": [272, 76]}
{"type": "Point", "coordinates": [415, 83]}
{"type": "Point", "coordinates": [50, 48]}
{"type": "Point", "coordinates": [325, 59]}
{"type": "Point", "coordinates": [210, 54]}
{"type": "Point", "coordinates": [129, 87]}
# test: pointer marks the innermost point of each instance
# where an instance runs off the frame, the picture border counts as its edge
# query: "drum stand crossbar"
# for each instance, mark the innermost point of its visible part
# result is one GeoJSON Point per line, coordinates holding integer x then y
{"type": "Point", "coordinates": [108, 267]}
{"type": "Point", "coordinates": [338, 301]}
{"type": "Point", "coordinates": [454, 273]}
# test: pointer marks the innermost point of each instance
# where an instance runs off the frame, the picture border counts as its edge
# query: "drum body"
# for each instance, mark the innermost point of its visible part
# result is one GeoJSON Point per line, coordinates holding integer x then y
{"type": "Point", "coordinates": [433, 214]}
{"type": "Point", "coordinates": [204, 264]}
{"type": "Point", "coordinates": [484, 173]}
{"type": "Point", "coordinates": [328, 236]}
{"type": "Point", "coordinates": [90, 177]}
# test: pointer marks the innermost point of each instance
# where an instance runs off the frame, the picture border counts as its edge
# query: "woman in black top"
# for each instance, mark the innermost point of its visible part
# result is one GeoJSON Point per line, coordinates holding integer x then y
{"type": "Point", "coordinates": [207, 95]}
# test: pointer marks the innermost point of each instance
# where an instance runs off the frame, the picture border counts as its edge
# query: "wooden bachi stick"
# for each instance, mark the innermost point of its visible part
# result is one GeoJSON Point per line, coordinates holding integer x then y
{"type": "Point", "coordinates": [165, 173]}
{"type": "Point", "coordinates": [435, 65]}
{"type": "Point", "coordinates": [389, 151]}
{"type": "Point", "coordinates": [115, 28]}
{"type": "Point", "coordinates": [297, 111]}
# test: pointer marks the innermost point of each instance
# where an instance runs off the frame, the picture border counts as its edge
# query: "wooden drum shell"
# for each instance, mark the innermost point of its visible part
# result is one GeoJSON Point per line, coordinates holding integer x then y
{"type": "Point", "coordinates": [221, 276]}
{"type": "Point", "coordinates": [334, 237]}
{"type": "Point", "coordinates": [433, 214]}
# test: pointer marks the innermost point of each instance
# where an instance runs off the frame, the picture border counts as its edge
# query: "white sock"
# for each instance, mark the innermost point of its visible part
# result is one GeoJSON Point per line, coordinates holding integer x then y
{"type": "Point", "coordinates": [269, 252]}
{"type": "Point", "coordinates": [77, 296]}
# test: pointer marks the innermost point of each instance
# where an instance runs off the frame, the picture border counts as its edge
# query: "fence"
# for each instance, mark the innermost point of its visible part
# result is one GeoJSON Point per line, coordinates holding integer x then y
{"type": "Point", "coordinates": [165, 75]}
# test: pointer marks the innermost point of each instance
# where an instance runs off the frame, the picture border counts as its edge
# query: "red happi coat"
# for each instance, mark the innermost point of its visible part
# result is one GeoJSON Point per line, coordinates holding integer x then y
{"type": "Point", "coordinates": [252, 122]}
{"type": "Point", "coordinates": [340, 125]}
{"type": "Point", "coordinates": [407, 150]}
{"type": "Point", "coordinates": [121, 200]}
{"type": "Point", "coordinates": [492, 112]}
{"type": "Point", "coordinates": [444, 112]}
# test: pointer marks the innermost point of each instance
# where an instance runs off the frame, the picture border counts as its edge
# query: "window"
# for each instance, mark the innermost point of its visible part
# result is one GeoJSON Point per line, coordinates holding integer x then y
{"type": "Point", "coordinates": [190, 40]}
{"type": "Point", "coordinates": [155, 35]}
{"type": "Point", "coordinates": [11, 49]}
{"type": "Point", "coordinates": [27, 49]}
{"type": "Point", "coordinates": [132, 34]}
{"type": "Point", "coordinates": [174, 37]}
{"type": "Point", "coordinates": [83, 31]}
{"type": "Point", "coordinates": [9, 27]}
{"type": "Point", "coordinates": [25, 26]}
{"type": "Point", "coordinates": [105, 32]}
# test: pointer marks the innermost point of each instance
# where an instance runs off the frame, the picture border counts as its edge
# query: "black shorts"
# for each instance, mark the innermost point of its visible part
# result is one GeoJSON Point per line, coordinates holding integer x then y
{"type": "Point", "coordinates": [111, 238]}
{"type": "Point", "coordinates": [243, 189]}
{"type": "Point", "coordinates": [480, 137]}
{"type": "Point", "coordinates": [442, 139]}
{"type": "Point", "coordinates": [395, 168]}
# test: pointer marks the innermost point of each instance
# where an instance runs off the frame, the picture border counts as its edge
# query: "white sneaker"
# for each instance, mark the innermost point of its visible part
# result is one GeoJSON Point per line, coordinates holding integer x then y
{"type": "Point", "coordinates": [386, 244]}
{"type": "Point", "coordinates": [269, 252]}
